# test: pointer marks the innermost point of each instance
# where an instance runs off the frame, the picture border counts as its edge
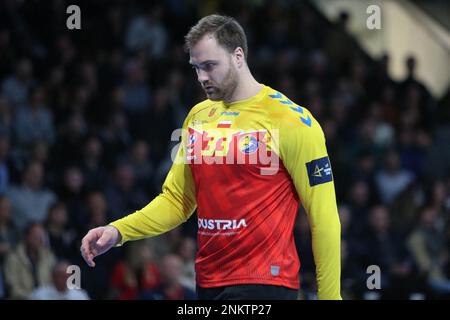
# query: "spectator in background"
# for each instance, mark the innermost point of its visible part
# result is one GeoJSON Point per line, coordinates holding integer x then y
{"type": "Point", "coordinates": [365, 171]}
{"type": "Point", "coordinates": [34, 121]}
{"type": "Point", "coordinates": [148, 33]}
{"type": "Point", "coordinates": [359, 203]}
{"type": "Point", "coordinates": [302, 236]}
{"type": "Point", "coordinates": [123, 195]}
{"type": "Point", "coordinates": [136, 273]}
{"type": "Point", "coordinates": [412, 147]}
{"type": "Point", "coordinates": [71, 191]}
{"type": "Point", "coordinates": [8, 52]}
{"type": "Point", "coordinates": [30, 201]}
{"type": "Point", "coordinates": [161, 130]}
{"type": "Point", "coordinates": [421, 95]}
{"type": "Point", "coordinates": [97, 210]}
{"type": "Point", "coordinates": [179, 92]}
{"type": "Point", "coordinates": [136, 96]}
{"type": "Point", "coordinates": [392, 179]}
{"type": "Point", "coordinates": [56, 92]}
{"type": "Point", "coordinates": [39, 152]}
{"type": "Point", "coordinates": [96, 281]}
{"type": "Point", "coordinates": [5, 174]}
{"type": "Point", "coordinates": [383, 132]}
{"type": "Point", "coordinates": [349, 270]}
{"type": "Point", "coordinates": [115, 137]}
{"type": "Point", "coordinates": [6, 117]}
{"type": "Point", "coordinates": [440, 199]}
{"type": "Point", "coordinates": [390, 109]}
{"type": "Point", "coordinates": [170, 287]}
{"type": "Point", "coordinates": [186, 251]}
{"type": "Point", "coordinates": [68, 147]}
{"type": "Point", "coordinates": [61, 237]}
{"type": "Point", "coordinates": [136, 93]}
{"type": "Point", "coordinates": [30, 264]}
{"type": "Point", "coordinates": [139, 160]}
{"type": "Point", "coordinates": [382, 246]}
{"type": "Point", "coordinates": [15, 87]}
{"type": "Point", "coordinates": [427, 245]}
{"type": "Point", "coordinates": [57, 289]}
{"type": "Point", "coordinates": [93, 172]}
{"type": "Point", "coordinates": [166, 244]}
{"type": "Point", "coordinates": [9, 237]}
{"type": "Point", "coordinates": [339, 45]}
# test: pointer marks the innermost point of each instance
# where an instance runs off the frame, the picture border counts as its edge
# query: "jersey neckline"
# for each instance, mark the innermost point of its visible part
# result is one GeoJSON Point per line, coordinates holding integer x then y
{"type": "Point", "coordinates": [262, 92]}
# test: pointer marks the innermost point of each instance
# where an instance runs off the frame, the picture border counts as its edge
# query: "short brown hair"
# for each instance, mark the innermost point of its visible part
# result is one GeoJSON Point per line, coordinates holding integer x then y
{"type": "Point", "coordinates": [226, 30]}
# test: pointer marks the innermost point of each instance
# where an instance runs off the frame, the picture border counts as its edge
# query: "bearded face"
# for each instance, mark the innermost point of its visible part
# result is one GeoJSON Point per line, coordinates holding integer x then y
{"type": "Point", "coordinates": [215, 69]}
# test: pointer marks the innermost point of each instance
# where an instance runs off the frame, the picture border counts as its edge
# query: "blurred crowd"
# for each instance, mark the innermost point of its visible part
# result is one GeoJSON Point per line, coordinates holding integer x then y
{"type": "Point", "coordinates": [86, 118]}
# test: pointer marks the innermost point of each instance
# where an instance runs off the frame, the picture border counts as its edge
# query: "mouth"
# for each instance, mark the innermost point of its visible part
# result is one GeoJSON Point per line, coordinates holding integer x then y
{"type": "Point", "coordinates": [209, 89]}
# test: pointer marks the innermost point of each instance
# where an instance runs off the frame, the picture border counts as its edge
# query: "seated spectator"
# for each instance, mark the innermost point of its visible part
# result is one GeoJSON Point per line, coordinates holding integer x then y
{"type": "Point", "coordinates": [15, 87]}
{"type": "Point", "coordinates": [382, 246]}
{"type": "Point", "coordinates": [359, 203]}
{"type": "Point", "coordinates": [139, 160]}
{"type": "Point", "coordinates": [427, 245]}
{"type": "Point", "coordinates": [9, 237]}
{"type": "Point", "coordinates": [71, 192]}
{"type": "Point", "coordinates": [61, 237]}
{"type": "Point", "coordinates": [147, 32]}
{"type": "Point", "coordinates": [57, 289]}
{"type": "Point", "coordinates": [115, 136]}
{"type": "Point", "coordinates": [96, 211]}
{"type": "Point", "coordinates": [136, 273]}
{"type": "Point", "coordinates": [5, 165]}
{"type": "Point", "coordinates": [348, 271]}
{"type": "Point", "coordinates": [97, 280]}
{"type": "Point", "coordinates": [68, 147]}
{"type": "Point", "coordinates": [393, 179]}
{"type": "Point", "coordinates": [170, 287]}
{"type": "Point", "coordinates": [30, 264]}
{"type": "Point", "coordinates": [34, 121]}
{"type": "Point", "coordinates": [123, 195]}
{"type": "Point", "coordinates": [186, 251]}
{"type": "Point", "coordinates": [6, 116]}
{"type": "Point", "coordinates": [92, 167]}
{"type": "Point", "coordinates": [136, 97]}
{"type": "Point", "coordinates": [30, 201]}
{"type": "Point", "coordinates": [302, 237]}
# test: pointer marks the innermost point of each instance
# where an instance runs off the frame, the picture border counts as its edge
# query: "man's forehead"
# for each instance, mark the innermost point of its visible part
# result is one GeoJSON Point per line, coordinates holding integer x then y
{"type": "Point", "coordinates": [206, 49]}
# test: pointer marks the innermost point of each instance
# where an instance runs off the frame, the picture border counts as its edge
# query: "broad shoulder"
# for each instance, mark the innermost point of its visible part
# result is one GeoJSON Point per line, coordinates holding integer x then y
{"type": "Point", "coordinates": [287, 113]}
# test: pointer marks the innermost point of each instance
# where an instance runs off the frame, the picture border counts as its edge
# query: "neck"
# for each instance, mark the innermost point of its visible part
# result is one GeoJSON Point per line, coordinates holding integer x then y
{"type": "Point", "coordinates": [247, 87]}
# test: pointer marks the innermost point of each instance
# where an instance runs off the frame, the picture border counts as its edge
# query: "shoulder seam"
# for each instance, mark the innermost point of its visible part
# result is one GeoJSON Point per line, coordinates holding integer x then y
{"type": "Point", "coordinates": [203, 108]}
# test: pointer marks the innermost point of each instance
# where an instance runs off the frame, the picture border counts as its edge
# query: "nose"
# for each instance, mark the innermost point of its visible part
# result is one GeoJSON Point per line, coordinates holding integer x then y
{"type": "Point", "coordinates": [202, 76]}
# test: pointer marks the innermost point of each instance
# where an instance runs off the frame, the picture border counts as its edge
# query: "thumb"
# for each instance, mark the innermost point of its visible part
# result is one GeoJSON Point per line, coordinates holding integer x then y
{"type": "Point", "coordinates": [103, 239]}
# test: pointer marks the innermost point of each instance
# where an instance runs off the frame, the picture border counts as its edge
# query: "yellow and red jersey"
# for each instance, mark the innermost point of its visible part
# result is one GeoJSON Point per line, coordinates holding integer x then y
{"type": "Point", "coordinates": [247, 166]}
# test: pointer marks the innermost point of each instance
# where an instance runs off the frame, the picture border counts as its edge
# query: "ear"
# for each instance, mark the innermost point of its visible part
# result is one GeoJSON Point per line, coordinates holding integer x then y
{"type": "Point", "coordinates": [239, 56]}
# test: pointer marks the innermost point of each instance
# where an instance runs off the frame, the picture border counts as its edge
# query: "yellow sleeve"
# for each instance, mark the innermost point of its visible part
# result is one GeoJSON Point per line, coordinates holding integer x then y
{"type": "Point", "coordinates": [169, 209]}
{"type": "Point", "coordinates": [304, 155]}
